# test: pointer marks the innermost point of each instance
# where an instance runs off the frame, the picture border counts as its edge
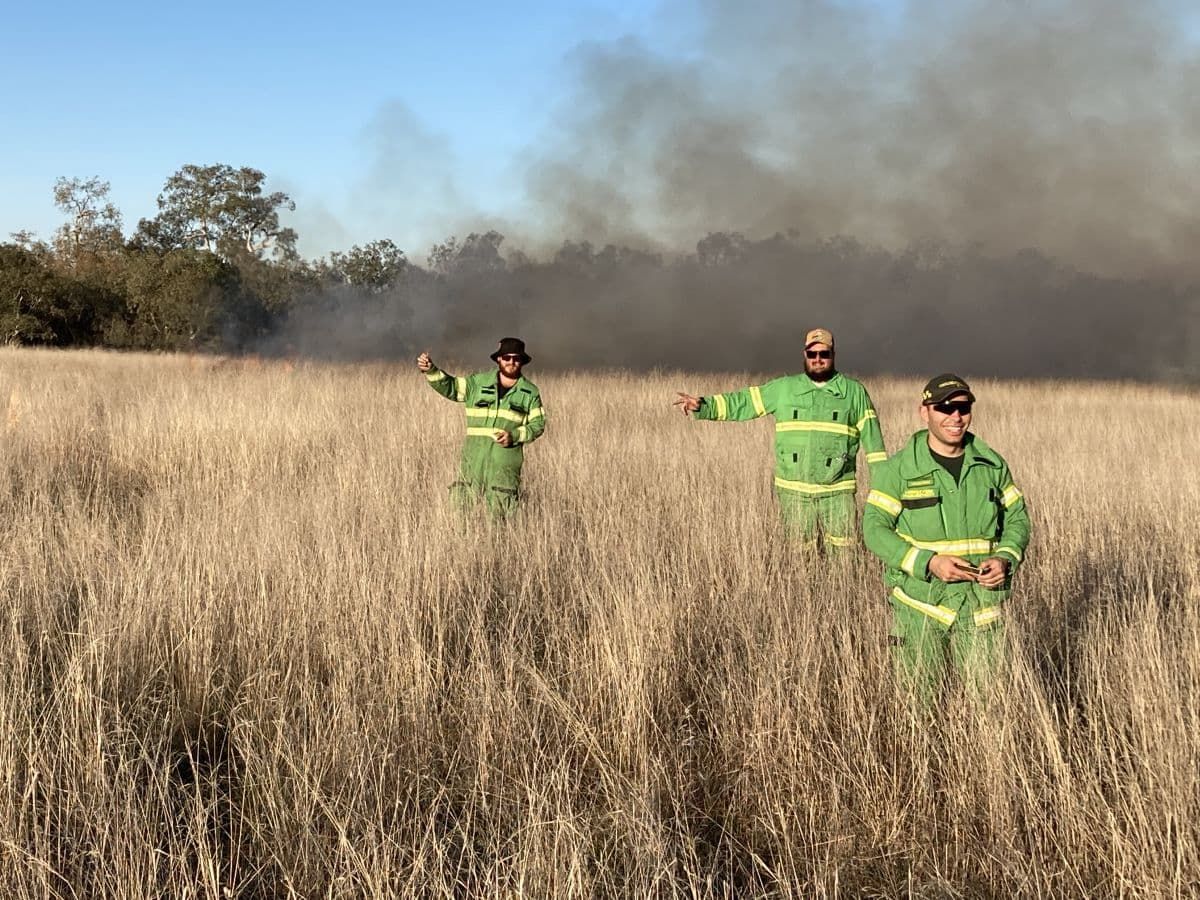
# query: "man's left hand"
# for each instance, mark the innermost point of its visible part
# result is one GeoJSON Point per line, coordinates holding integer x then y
{"type": "Point", "coordinates": [992, 572]}
{"type": "Point", "coordinates": [503, 438]}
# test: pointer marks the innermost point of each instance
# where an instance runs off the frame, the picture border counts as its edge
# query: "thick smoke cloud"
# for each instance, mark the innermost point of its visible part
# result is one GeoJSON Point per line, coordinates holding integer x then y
{"type": "Point", "coordinates": [1004, 188]}
{"type": "Point", "coordinates": [1068, 126]}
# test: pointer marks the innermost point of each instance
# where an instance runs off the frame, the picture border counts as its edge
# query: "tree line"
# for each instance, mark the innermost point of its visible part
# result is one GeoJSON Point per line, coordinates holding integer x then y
{"type": "Point", "coordinates": [216, 270]}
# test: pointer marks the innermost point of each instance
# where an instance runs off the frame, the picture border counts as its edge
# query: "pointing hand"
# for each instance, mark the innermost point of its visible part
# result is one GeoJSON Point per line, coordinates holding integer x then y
{"type": "Point", "coordinates": [687, 403]}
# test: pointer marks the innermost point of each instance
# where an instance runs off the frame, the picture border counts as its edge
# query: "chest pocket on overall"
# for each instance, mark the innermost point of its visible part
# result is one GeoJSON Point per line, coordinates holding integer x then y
{"type": "Point", "coordinates": [829, 441]}
{"type": "Point", "coordinates": [921, 513]}
{"type": "Point", "coordinates": [991, 515]}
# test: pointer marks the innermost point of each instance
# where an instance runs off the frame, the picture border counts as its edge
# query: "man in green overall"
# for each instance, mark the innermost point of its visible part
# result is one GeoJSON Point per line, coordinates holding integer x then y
{"type": "Point", "coordinates": [951, 526]}
{"type": "Point", "coordinates": [504, 413]}
{"type": "Point", "coordinates": [821, 417]}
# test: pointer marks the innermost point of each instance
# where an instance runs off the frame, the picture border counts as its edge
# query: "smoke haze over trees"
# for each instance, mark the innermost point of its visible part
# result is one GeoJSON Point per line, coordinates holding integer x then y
{"type": "Point", "coordinates": [1003, 188]}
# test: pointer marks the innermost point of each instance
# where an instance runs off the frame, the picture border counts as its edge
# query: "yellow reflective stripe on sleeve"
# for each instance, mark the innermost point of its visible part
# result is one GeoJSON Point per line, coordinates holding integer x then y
{"type": "Point", "coordinates": [869, 414]}
{"type": "Point", "coordinates": [910, 560]}
{"type": "Point", "coordinates": [436, 375]}
{"type": "Point", "coordinates": [477, 431]}
{"type": "Point", "coordinates": [987, 616]}
{"type": "Point", "coordinates": [827, 427]}
{"type": "Point", "coordinates": [460, 389]}
{"type": "Point", "coordinates": [1010, 496]}
{"type": "Point", "coordinates": [756, 399]}
{"type": "Point", "coordinates": [534, 413]}
{"type": "Point", "coordinates": [521, 435]}
{"type": "Point", "coordinates": [940, 613]}
{"type": "Point", "coordinates": [804, 487]}
{"type": "Point", "coordinates": [1012, 552]}
{"type": "Point", "coordinates": [970, 546]}
{"type": "Point", "coordinates": [876, 457]}
{"type": "Point", "coordinates": [722, 407]}
{"type": "Point", "coordinates": [484, 412]}
{"type": "Point", "coordinates": [888, 504]}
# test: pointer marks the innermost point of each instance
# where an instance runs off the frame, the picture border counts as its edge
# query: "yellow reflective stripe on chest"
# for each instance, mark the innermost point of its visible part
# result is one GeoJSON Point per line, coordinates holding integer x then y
{"type": "Point", "coordinates": [476, 431]}
{"type": "Point", "coordinates": [971, 546]}
{"type": "Point", "coordinates": [827, 427]}
{"type": "Point", "coordinates": [487, 412]}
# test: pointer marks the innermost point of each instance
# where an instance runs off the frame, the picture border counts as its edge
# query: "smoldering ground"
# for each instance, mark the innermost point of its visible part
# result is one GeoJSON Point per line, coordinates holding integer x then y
{"type": "Point", "coordinates": [1005, 188]}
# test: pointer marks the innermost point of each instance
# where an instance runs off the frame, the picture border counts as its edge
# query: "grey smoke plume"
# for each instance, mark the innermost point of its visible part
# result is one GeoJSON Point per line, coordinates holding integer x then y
{"type": "Point", "coordinates": [1068, 126]}
{"type": "Point", "coordinates": [1002, 188]}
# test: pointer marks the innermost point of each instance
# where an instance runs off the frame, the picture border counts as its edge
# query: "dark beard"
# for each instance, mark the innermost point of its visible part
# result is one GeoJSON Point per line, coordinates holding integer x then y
{"type": "Point", "coordinates": [822, 377]}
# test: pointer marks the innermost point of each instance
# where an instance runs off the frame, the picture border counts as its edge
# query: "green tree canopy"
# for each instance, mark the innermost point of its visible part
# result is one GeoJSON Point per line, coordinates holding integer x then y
{"type": "Point", "coordinates": [220, 209]}
{"type": "Point", "coordinates": [93, 226]}
{"type": "Point", "coordinates": [374, 267]}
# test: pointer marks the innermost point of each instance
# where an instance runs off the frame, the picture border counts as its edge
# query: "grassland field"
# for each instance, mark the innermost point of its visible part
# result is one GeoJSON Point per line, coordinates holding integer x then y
{"type": "Point", "coordinates": [247, 650]}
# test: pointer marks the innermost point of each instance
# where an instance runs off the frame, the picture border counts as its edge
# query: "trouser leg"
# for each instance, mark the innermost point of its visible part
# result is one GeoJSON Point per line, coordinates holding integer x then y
{"type": "Point", "coordinates": [918, 654]}
{"type": "Point", "coordinates": [837, 514]}
{"type": "Point", "coordinates": [498, 500]}
{"type": "Point", "coordinates": [977, 652]}
{"type": "Point", "coordinates": [799, 516]}
{"type": "Point", "coordinates": [501, 502]}
{"type": "Point", "coordinates": [464, 496]}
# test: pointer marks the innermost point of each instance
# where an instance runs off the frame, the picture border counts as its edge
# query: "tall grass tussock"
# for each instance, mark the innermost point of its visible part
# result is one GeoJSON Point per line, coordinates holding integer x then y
{"type": "Point", "coordinates": [248, 650]}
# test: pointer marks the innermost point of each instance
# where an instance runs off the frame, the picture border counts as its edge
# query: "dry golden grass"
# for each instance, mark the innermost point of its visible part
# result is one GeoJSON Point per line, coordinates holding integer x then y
{"type": "Point", "coordinates": [248, 652]}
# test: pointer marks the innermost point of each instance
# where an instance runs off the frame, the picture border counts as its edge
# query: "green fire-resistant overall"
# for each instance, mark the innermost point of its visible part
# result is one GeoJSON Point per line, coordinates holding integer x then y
{"type": "Point", "coordinates": [914, 511]}
{"type": "Point", "coordinates": [818, 428]}
{"type": "Point", "coordinates": [488, 471]}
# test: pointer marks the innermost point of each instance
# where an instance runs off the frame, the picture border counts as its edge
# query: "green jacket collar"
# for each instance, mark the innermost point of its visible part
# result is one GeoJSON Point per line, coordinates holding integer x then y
{"type": "Point", "coordinates": [916, 460]}
{"type": "Point", "coordinates": [835, 385]}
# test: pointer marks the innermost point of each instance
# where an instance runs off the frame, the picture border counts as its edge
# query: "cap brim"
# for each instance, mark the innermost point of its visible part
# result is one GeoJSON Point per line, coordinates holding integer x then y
{"type": "Point", "coordinates": [952, 393]}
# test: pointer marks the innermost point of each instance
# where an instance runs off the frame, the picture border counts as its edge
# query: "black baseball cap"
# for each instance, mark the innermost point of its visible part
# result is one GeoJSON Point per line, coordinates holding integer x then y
{"type": "Point", "coordinates": [942, 387]}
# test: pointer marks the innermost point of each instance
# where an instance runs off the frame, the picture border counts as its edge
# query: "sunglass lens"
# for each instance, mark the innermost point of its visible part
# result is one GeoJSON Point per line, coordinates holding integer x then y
{"type": "Point", "coordinates": [949, 409]}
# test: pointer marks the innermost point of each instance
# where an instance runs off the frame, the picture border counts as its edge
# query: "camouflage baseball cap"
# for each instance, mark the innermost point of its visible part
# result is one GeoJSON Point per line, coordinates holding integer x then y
{"type": "Point", "coordinates": [944, 386]}
{"type": "Point", "coordinates": [818, 336]}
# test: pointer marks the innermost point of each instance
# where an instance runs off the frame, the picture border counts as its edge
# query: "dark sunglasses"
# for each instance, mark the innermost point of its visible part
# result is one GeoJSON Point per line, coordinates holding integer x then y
{"type": "Point", "coordinates": [509, 357]}
{"type": "Point", "coordinates": [819, 354]}
{"type": "Point", "coordinates": [946, 408]}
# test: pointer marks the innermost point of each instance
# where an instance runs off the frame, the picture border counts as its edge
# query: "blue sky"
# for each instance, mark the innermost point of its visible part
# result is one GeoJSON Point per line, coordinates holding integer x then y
{"type": "Point", "coordinates": [414, 121]}
{"type": "Point", "coordinates": [325, 101]}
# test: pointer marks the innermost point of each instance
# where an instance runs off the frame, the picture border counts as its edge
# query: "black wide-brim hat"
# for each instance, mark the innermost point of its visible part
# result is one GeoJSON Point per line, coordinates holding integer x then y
{"type": "Point", "coordinates": [512, 345]}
